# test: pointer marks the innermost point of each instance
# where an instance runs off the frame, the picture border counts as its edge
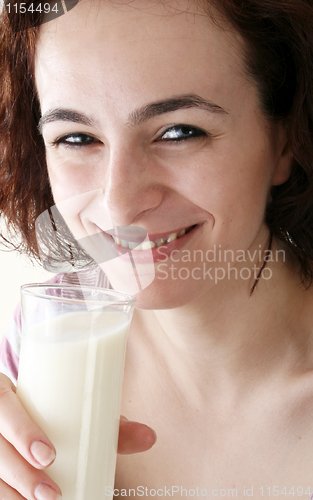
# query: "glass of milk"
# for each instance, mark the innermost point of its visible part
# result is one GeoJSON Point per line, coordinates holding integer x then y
{"type": "Point", "coordinates": [70, 379]}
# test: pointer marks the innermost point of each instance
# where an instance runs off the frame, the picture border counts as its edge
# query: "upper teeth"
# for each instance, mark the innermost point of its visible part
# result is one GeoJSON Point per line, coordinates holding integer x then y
{"type": "Point", "coordinates": [132, 245]}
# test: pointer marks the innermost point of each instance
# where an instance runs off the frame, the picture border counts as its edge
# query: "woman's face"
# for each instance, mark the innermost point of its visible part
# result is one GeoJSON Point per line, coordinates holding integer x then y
{"type": "Point", "coordinates": [148, 103]}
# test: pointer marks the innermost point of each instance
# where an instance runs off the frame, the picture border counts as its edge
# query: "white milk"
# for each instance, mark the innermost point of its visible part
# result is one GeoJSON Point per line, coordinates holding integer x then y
{"type": "Point", "coordinates": [72, 389]}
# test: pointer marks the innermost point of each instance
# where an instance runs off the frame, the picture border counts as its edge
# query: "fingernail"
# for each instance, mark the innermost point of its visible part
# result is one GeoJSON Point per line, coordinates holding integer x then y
{"type": "Point", "coordinates": [42, 453]}
{"type": "Point", "coordinates": [44, 492]}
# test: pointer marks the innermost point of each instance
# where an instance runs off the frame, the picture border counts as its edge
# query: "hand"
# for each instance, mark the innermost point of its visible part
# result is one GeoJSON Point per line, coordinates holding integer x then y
{"type": "Point", "coordinates": [25, 451]}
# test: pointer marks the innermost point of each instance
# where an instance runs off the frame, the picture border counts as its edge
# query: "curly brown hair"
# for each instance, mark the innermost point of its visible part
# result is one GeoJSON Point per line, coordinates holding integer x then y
{"type": "Point", "coordinates": [279, 58]}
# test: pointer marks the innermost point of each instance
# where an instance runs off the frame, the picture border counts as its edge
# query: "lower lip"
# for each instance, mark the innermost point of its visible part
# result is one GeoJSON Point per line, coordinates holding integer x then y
{"type": "Point", "coordinates": [163, 252]}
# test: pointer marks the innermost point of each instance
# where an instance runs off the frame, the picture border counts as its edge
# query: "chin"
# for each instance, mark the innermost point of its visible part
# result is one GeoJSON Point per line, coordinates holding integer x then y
{"type": "Point", "coordinates": [160, 296]}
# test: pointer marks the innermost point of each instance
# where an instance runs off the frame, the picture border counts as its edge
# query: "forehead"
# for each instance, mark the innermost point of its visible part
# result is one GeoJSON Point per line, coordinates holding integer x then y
{"type": "Point", "coordinates": [111, 49]}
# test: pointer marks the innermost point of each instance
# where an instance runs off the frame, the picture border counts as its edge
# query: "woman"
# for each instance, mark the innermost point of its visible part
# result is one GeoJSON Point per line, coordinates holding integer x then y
{"type": "Point", "coordinates": [194, 120]}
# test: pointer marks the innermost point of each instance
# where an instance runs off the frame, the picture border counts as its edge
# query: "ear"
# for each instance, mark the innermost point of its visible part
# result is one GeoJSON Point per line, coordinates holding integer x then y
{"type": "Point", "coordinates": [283, 154]}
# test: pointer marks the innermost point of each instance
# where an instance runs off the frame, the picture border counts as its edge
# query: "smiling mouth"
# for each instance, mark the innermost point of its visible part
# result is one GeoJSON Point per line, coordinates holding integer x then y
{"type": "Point", "coordinates": [153, 243]}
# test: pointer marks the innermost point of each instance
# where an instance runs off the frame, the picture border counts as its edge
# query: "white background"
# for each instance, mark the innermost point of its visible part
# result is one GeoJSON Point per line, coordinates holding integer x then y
{"type": "Point", "coordinates": [15, 270]}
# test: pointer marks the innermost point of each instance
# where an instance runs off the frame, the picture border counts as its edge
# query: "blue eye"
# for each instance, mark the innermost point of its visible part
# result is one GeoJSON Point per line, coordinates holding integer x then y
{"type": "Point", "coordinates": [77, 139]}
{"type": "Point", "coordinates": [179, 133]}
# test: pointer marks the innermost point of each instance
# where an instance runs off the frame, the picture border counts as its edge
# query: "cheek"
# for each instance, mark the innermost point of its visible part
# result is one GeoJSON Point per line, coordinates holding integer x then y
{"type": "Point", "coordinates": [71, 178]}
{"type": "Point", "coordinates": [228, 187]}
{"type": "Point", "coordinates": [241, 204]}
{"type": "Point", "coordinates": [233, 187]}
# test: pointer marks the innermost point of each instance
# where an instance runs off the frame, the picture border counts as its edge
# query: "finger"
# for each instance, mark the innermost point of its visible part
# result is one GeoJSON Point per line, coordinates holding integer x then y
{"type": "Point", "coordinates": [134, 437]}
{"type": "Point", "coordinates": [20, 475]}
{"type": "Point", "coordinates": [20, 430]}
{"type": "Point", "coordinates": [7, 493]}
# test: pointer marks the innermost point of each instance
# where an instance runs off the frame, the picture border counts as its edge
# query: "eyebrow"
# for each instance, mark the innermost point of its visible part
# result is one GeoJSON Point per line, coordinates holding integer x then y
{"type": "Point", "coordinates": [65, 115]}
{"type": "Point", "coordinates": [173, 104]}
{"type": "Point", "coordinates": [138, 116]}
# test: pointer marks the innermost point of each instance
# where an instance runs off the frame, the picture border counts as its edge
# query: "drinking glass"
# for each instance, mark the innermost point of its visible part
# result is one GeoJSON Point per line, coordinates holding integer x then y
{"type": "Point", "coordinates": [70, 380]}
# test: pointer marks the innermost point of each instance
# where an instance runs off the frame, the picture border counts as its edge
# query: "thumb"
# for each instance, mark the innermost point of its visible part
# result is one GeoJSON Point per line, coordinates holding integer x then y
{"type": "Point", "coordinates": [134, 437]}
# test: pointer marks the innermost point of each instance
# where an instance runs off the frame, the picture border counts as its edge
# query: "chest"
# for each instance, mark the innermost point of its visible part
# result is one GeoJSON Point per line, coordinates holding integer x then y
{"type": "Point", "coordinates": [196, 454]}
{"type": "Point", "coordinates": [202, 451]}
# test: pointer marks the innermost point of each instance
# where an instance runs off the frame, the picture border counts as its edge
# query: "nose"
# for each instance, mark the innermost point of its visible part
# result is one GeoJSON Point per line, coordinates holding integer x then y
{"type": "Point", "coordinates": [131, 188]}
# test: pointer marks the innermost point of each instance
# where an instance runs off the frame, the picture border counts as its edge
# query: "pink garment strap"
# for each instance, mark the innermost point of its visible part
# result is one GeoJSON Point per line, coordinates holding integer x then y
{"type": "Point", "coordinates": [8, 357]}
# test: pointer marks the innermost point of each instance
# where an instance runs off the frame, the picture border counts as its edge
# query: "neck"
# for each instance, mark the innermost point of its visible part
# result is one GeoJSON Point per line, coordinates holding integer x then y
{"type": "Point", "coordinates": [232, 338]}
